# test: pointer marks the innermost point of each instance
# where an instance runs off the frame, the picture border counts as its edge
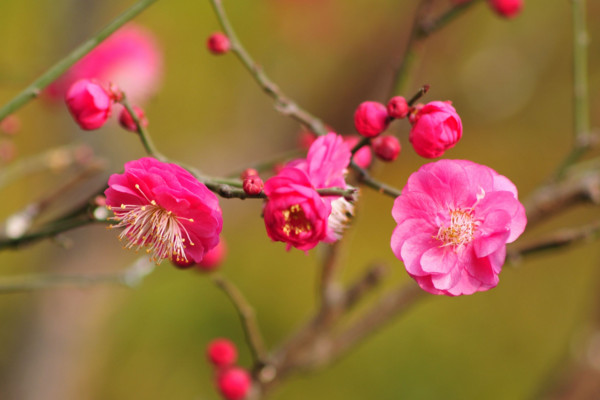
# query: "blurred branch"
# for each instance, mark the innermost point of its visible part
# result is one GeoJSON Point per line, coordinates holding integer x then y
{"type": "Point", "coordinates": [247, 317]}
{"type": "Point", "coordinates": [583, 187]}
{"type": "Point", "coordinates": [283, 104]}
{"type": "Point", "coordinates": [556, 240]}
{"type": "Point", "coordinates": [581, 107]}
{"type": "Point", "coordinates": [130, 277]}
{"type": "Point", "coordinates": [422, 28]}
{"type": "Point", "coordinates": [35, 88]}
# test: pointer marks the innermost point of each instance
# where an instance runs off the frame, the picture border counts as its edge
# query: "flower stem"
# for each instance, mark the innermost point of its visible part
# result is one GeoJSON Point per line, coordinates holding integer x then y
{"type": "Point", "coordinates": [283, 104]}
{"type": "Point", "coordinates": [35, 88]}
{"type": "Point", "coordinates": [142, 131]}
{"type": "Point", "coordinates": [247, 317]}
{"type": "Point", "coordinates": [365, 177]}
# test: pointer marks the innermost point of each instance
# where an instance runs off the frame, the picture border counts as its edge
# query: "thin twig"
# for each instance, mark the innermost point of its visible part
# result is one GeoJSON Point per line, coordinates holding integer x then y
{"type": "Point", "coordinates": [130, 277]}
{"type": "Point", "coordinates": [247, 317]}
{"type": "Point", "coordinates": [365, 177]}
{"type": "Point", "coordinates": [142, 131]}
{"type": "Point", "coordinates": [35, 88]}
{"type": "Point", "coordinates": [283, 104]}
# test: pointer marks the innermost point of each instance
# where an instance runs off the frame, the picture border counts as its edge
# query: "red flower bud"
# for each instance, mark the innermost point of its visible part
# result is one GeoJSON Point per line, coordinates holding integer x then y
{"type": "Point", "coordinates": [371, 118]}
{"type": "Point", "coordinates": [386, 147]}
{"type": "Point", "coordinates": [127, 122]}
{"type": "Point", "coordinates": [234, 383]}
{"type": "Point", "coordinates": [436, 128]}
{"type": "Point", "coordinates": [397, 107]}
{"type": "Point", "coordinates": [253, 185]}
{"type": "Point", "coordinates": [218, 43]}
{"type": "Point", "coordinates": [506, 8]}
{"type": "Point", "coordinates": [221, 352]}
{"type": "Point", "coordinates": [89, 104]}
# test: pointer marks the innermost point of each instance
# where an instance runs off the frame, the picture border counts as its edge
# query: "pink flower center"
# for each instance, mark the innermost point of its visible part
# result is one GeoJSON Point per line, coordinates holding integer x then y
{"type": "Point", "coordinates": [461, 229]}
{"type": "Point", "coordinates": [153, 227]}
{"type": "Point", "coordinates": [295, 221]}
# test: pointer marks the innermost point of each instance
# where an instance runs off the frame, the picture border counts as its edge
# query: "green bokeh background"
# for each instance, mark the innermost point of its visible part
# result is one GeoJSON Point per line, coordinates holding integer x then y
{"type": "Point", "coordinates": [510, 82]}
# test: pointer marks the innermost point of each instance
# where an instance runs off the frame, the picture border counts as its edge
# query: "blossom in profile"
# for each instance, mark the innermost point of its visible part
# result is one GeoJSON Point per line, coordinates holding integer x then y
{"type": "Point", "coordinates": [454, 219]}
{"type": "Point", "coordinates": [129, 58]}
{"type": "Point", "coordinates": [294, 212]}
{"type": "Point", "coordinates": [89, 103]}
{"type": "Point", "coordinates": [164, 209]}
{"type": "Point", "coordinates": [326, 167]}
{"type": "Point", "coordinates": [436, 127]}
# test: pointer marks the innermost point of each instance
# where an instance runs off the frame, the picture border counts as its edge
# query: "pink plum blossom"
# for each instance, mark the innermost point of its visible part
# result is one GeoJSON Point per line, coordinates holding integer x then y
{"type": "Point", "coordinates": [163, 208]}
{"type": "Point", "coordinates": [89, 104]}
{"type": "Point", "coordinates": [454, 219]}
{"type": "Point", "coordinates": [325, 165]}
{"type": "Point", "coordinates": [130, 58]}
{"type": "Point", "coordinates": [436, 128]}
{"type": "Point", "coordinates": [294, 212]}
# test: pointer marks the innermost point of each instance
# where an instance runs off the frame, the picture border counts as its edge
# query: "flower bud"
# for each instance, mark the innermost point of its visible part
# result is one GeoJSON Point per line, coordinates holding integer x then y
{"type": "Point", "coordinates": [397, 107]}
{"type": "Point", "coordinates": [127, 122]}
{"type": "Point", "coordinates": [371, 118]}
{"type": "Point", "coordinates": [436, 128]}
{"type": "Point", "coordinates": [248, 172]}
{"type": "Point", "coordinates": [253, 185]}
{"type": "Point", "coordinates": [506, 8]}
{"type": "Point", "coordinates": [234, 383]}
{"type": "Point", "coordinates": [386, 147]}
{"type": "Point", "coordinates": [89, 104]}
{"type": "Point", "coordinates": [221, 352]}
{"type": "Point", "coordinates": [213, 258]}
{"type": "Point", "coordinates": [218, 43]}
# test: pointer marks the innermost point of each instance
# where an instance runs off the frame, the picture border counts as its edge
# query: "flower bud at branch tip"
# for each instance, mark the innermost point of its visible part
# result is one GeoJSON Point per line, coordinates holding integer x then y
{"type": "Point", "coordinates": [127, 122]}
{"type": "Point", "coordinates": [89, 104]}
{"type": "Point", "coordinates": [218, 43]}
{"type": "Point", "coordinates": [371, 118]}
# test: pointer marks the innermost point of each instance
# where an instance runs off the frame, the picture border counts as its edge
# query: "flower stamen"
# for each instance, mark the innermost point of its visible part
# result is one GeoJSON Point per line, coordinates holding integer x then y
{"type": "Point", "coordinates": [460, 231]}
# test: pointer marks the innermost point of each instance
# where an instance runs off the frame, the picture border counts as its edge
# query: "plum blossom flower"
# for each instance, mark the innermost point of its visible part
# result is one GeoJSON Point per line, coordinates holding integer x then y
{"type": "Point", "coordinates": [163, 208]}
{"type": "Point", "coordinates": [454, 219]}
{"type": "Point", "coordinates": [130, 58]}
{"type": "Point", "coordinates": [325, 164]}
{"type": "Point", "coordinates": [294, 212]}
{"type": "Point", "coordinates": [436, 128]}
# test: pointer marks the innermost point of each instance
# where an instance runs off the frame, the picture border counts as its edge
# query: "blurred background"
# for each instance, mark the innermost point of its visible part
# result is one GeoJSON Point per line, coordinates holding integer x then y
{"type": "Point", "coordinates": [510, 80]}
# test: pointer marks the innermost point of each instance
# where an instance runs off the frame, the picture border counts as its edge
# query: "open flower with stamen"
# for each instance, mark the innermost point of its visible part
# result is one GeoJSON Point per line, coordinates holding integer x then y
{"type": "Point", "coordinates": [165, 210]}
{"type": "Point", "coordinates": [294, 212]}
{"type": "Point", "coordinates": [454, 219]}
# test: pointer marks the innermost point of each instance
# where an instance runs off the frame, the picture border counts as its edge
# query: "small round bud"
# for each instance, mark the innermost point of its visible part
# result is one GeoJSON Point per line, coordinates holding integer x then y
{"type": "Point", "coordinates": [182, 263]}
{"type": "Point", "coordinates": [89, 104]}
{"type": "Point", "coordinates": [218, 43]}
{"type": "Point", "coordinates": [234, 383]}
{"type": "Point", "coordinates": [397, 107]}
{"type": "Point", "coordinates": [221, 352]}
{"type": "Point", "coordinates": [386, 147]}
{"type": "Point", "coordinates": [371, 118]}
{"type": "Point", "coordinates": [506, 8]}
{"type": "Point", "coordinates": [10, 125]}
{"type": "Point", "coordinates": [253, 185]}
{"type": "Point", "coordinates": [248, 172]}
{"type": "Point", "coordinates": [437, 127]}
{"type": "Point", "coordinates": [127, 122]}
{"type": "Point", "coordinates": [213, 258]}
